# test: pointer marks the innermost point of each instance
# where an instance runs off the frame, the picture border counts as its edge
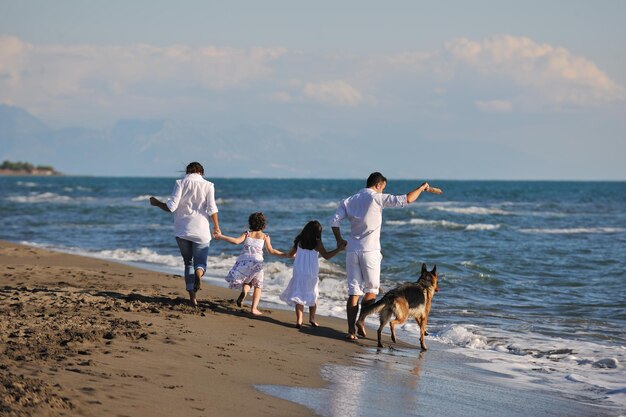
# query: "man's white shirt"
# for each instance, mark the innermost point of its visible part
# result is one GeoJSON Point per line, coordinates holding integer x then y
{"type": "Point", "coordinates": [364, 210]}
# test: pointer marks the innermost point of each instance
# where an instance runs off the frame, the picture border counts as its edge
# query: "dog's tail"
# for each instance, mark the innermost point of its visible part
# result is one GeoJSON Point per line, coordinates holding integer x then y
{"type": "Point", "coordinates": [373, 308]}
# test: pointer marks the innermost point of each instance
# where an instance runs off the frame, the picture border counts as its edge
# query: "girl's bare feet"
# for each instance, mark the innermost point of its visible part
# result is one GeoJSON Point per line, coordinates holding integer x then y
{"type": "Point", "coordinates": [240, 299]}
{"type": "Point", "coordinates": [312, 311]}
{"type": "Point", "coordinates": [256, 297]}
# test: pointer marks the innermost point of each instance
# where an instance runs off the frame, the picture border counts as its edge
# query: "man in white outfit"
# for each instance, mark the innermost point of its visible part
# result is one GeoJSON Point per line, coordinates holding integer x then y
{"type": "Point", "coordinates": [364, 210]}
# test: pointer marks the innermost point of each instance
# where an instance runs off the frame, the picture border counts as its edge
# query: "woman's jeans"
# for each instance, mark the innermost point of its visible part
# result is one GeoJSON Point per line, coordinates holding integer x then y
{"type": "Point", "coordinates": [195, 256]}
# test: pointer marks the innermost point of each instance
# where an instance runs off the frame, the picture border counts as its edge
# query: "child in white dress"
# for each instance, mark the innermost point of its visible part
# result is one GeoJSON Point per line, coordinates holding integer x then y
{"type": "Point", "coordinates": [248, 269]}
{"type": "Point", "coordinates": [302, 289]}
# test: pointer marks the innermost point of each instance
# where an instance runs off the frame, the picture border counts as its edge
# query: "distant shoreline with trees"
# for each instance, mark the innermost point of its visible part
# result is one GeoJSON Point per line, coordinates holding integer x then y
{"type": "Point", "coordinates": [26, 168]}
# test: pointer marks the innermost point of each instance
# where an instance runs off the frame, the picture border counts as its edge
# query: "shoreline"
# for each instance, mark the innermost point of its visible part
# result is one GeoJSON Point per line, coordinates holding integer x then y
{"type": "Point", "coordinates": [87, 336]}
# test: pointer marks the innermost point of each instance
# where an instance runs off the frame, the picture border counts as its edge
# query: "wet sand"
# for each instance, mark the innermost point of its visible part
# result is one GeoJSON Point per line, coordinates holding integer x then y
{"type": "Point", "coordinates": [84, 337]}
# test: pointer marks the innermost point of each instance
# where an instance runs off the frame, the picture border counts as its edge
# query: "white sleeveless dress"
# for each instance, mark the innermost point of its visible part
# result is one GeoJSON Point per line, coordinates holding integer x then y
{"type": "Point", "coordinates": [248, 268]}
{"type": "Point", "coordinates": [303, 286]}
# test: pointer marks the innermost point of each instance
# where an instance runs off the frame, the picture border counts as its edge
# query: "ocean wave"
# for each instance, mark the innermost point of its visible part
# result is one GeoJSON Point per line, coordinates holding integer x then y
{"type": "Point", "coordinates": [422, 222]}
{"type": "Point", "coordinates": [538, 358]}
{"type": "Point", "coordinates": [482, 226]}
{"type": "Point", "coordinates": [472, 210]}
{"type": "Point", "coordinates": [77, 188]}
{"type": "Point", "coordinates": [574, 230]}
{"type": "Point", "coordinates": [479, 268]}
{"type": "Point", "coordinates": [26, 184]}
{"type": "Point", "coordinates": [444, 224]}
{"type": "Point", "coordinates": [143, 255]}
{"type": "Point", "coordinates": [228, 201]}
{"type": "Point", "coordinates": [145, 197]}
{"type": "Point", "coordinates": [47, 198]}
{"type": "Point", "coordinates": [462, 336]}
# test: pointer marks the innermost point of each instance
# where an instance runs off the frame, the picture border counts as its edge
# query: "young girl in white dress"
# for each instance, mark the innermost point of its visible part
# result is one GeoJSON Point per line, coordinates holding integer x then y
{"type": "Point", "coordinates": [302, 290]}
{"type": "Point", "coordinates": [248, 269]}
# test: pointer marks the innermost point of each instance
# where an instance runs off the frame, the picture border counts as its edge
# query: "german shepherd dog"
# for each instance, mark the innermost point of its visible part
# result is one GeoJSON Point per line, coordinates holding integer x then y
{"type": "Point", "coordinates": [407, 300]}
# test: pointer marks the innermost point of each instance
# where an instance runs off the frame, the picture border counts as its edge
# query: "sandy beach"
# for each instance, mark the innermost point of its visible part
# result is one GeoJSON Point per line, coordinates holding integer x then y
{"type": "Point", "coordinates": [83, 337]}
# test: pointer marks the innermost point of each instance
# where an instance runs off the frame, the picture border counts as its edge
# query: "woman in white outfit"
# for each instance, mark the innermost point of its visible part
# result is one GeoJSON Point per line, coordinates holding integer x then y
{"type": "Point", "coordinates": [192, 203]}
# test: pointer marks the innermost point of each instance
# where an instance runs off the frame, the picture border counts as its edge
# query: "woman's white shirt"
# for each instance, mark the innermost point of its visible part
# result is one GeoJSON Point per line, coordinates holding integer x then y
{"type": "Point", "coordinates": [192, 202]}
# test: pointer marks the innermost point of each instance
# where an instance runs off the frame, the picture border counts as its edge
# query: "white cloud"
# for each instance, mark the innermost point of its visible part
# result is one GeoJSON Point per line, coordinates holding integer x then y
{"type": "Point", "coordinates": [553, 74]}
{"type": "Point", "coordinates": [143, 80]}
{"type": "Point", "coordinates": [12, 52]}
{"type": "Point", "coordinates": [530, 74]}
{"type": "Point", "coordinates": [334, 93]}
{"type": "Point", "coordinates": [74, 76]}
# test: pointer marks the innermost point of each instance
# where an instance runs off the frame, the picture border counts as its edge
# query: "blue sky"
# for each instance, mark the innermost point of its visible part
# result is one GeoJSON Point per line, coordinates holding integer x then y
{"type": "Point", "coordinates": [461, 90]}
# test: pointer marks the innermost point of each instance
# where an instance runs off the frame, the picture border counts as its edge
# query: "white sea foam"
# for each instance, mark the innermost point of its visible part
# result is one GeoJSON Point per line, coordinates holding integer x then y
{"type": "Point", "coordinates": [539, 359]}
{"type": "Point", "coordinates": [46, 198]}
{"type": "Point", "coordinates": [482, 226]}
{"type": "Point", "coordinates": [77, 188]}
{"type": "Point", "coordinates": [423, 222]}
{"type": "Point", "coordinates": [233, 201]}
{"type": "Point", "coordinates": [145, 197]}
{"type": "Point", "coordinates": [143, 255]}
{"type": "Point", "coordinates": [26, 184]}
{"type": "Point", "coordinates": [443, 224]}
{"type": "Point", "coordinates": [533, 359]}
{"type": "Point", "coordinates": [575, 230]}
{"type": "Point", "coordinates": [461, 336]}
{"type": "Point", "coordinates": [471, 210]}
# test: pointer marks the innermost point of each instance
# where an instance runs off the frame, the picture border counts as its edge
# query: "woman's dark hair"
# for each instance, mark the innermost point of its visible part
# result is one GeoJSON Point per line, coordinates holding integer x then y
{"type": "Point", "coordinates": [375, 178]}
{"type": "Point", "coordinates": [256, 222]}
{"type": "Point", "coordinates": [195, 168]}
{"type": "Point", "coordinates": [309, 236]}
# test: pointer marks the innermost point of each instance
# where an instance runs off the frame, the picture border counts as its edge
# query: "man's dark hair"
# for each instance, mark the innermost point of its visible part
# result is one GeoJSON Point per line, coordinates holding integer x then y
{"type": "Point", "coordinates": [375, 178]}
{"type": "Point", "coordinates": [195, 168]}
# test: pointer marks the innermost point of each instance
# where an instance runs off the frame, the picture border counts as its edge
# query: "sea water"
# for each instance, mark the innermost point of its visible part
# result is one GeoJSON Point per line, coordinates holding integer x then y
{"type": "Point", "coordinates": [532, 274]}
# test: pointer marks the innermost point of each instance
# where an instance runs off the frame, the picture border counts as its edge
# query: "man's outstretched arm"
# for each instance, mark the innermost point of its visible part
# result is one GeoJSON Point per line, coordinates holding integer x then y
{"type": "Point", "coordinates": [413, 195]}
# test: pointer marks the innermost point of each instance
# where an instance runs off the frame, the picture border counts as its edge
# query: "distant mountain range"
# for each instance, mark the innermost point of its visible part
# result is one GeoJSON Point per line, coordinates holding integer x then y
{"type": "Point", "coordinates": [157, 147]}
{"type": "Point", "coordinates": [136, 147]}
